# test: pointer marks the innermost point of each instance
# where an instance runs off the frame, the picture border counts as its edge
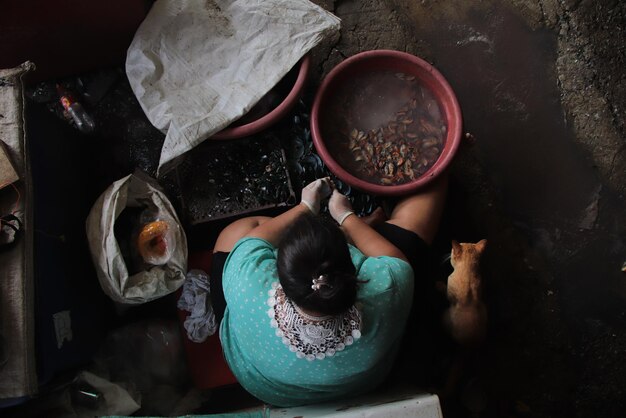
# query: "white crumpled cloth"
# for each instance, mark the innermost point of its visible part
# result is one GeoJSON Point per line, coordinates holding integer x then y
{"type": "Point", "coordinates": [198, 65]}
{"type": "Point", "coordinates": [196, 299]}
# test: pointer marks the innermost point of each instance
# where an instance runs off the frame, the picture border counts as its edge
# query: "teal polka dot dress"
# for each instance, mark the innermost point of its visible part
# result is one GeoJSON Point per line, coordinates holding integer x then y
{"type": "Point", "coordinates": [286, 358]}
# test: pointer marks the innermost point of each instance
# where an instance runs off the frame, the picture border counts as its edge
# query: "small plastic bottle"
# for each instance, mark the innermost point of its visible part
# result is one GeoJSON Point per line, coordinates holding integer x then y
{"type": "Point", "coordinates": [83, 121]}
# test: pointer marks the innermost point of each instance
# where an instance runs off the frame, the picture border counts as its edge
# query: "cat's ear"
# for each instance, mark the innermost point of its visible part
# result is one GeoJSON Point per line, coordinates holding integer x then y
{"type": "Point", "coordinates": [480, 245]}
{"type": "Point", "coordinates": [456, 247]}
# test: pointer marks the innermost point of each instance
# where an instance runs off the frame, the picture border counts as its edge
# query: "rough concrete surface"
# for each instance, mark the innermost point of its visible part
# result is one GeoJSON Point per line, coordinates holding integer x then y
{"type": "Point", "coordinates": [542, 86]}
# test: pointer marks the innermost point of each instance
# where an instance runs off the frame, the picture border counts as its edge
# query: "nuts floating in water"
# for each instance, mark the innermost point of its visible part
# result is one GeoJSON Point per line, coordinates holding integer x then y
{"type": "Point", "coordinates": [407, 145]}
{"type": "Point", "coordinates": [430, 142]}
{"type": "Point", "coordinates": [390, 169]}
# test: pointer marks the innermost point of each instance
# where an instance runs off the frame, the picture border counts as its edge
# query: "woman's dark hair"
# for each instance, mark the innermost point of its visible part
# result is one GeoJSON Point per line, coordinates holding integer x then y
{"type": "Point", "coordinates": [314, 247]}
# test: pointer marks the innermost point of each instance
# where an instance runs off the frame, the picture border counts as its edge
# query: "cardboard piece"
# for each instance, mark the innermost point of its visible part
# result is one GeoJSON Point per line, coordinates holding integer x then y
{"type": "Point", "coordinates": [8, 174]}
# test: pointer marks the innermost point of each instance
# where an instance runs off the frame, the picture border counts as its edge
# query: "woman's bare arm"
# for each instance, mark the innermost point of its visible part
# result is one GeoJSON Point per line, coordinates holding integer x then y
{"type": "Point", "coordinates": [273, 229]}
{"type": "Point", "coordinates": [367, 240]}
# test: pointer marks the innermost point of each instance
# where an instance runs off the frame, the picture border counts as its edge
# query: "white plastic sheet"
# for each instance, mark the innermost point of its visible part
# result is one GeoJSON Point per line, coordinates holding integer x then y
{"type": "Point", "coordinates": [198, 65]}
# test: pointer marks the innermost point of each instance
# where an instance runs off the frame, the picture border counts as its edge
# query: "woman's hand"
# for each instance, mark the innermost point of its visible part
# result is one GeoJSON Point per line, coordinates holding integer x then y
{"type": "Point", "coordinates": [339, 207]}
{"type": "Point", "coordinates": [273, 229]}
{"type": "Point", "coordinates": [366, 239]}
{"type": "Point", "coordinates": [315, 192]}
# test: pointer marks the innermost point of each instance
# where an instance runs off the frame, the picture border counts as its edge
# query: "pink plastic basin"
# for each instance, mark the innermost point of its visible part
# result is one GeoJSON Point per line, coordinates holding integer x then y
{"type": "Point", "coordinates": [258, 119]}
{"type": "Point", "coordinates": [387, 60]}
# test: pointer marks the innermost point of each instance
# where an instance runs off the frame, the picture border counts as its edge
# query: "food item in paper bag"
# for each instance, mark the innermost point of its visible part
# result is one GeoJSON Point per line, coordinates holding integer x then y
{"type": "Point", "coordinates": [154, 242]}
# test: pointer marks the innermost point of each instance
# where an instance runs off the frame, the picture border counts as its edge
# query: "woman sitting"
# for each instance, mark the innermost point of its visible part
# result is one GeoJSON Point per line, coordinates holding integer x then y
{"type": "Point", "coordinates": [315, 310]}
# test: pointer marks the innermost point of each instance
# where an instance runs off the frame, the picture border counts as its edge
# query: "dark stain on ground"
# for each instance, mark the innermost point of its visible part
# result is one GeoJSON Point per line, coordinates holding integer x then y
{"type": "Point", "coordinates": [507, 89]}
{"type": "Point", "coordinates": [555, 289]}
{"type": "Point", "coordinates": [556, 230]}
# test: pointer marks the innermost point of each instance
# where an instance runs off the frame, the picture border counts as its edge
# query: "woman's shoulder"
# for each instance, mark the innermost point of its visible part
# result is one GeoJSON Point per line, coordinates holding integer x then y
{"type": "Point", "coordinates": [250, 266]}
{"type": "Point", "coordinates": [382, 264]}
{"type": "Point", "coordinates": [383, 274]}
{"type": "Point", "coordinates": [252, 243]}
{"type": "Point", "coordinates": [249, 250]}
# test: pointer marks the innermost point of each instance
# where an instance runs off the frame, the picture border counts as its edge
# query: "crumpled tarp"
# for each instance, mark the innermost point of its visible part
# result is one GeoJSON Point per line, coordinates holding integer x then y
{"type": "Point", "coordinates": [198, 65]}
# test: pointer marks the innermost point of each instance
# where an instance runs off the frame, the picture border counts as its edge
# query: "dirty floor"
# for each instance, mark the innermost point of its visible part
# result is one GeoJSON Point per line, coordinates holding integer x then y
{"type": "Point", "coordinates": [542, 89]}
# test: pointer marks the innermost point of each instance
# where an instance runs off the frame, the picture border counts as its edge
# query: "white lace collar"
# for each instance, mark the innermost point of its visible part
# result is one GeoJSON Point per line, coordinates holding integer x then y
{"type": "Point", "coordinates": [307, 336]}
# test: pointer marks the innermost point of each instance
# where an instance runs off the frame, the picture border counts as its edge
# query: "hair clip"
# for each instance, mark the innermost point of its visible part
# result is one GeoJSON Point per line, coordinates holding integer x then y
{"type": "Point", "coordinates": [319, 282]}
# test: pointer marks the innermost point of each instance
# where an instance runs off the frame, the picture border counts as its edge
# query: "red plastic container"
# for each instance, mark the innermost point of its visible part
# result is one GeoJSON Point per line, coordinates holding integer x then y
{"type": "Point", "coordinates": [265, 120]}
{"type": "Point", "coordinates": [396, 61]}
{"type": "Point", "coordinates": [206, 362]}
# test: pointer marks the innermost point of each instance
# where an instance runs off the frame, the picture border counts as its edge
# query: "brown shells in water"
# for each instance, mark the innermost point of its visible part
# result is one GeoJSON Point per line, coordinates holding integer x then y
{"type": "Point", "coordinates": [405, 147]}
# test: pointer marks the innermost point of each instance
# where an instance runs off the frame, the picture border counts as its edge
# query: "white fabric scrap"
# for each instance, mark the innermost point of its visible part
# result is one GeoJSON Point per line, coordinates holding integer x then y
{"type": "Point", "coordinates": [198, 65]}
{"type": "Point", "coordinates": [196, 299]}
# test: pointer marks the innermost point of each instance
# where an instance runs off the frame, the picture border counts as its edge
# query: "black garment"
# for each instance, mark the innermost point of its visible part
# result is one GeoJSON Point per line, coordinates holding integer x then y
{"type": "Point", "coordinates": [217, 290]}
{"type": "Point", "coordinates": [412, 246]}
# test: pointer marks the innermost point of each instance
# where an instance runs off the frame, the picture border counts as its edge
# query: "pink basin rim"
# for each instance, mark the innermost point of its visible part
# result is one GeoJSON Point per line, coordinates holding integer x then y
{"type": "Point", "coordinates": [444, 94]}
{"type": "Point", "coordinates": [276, 114]}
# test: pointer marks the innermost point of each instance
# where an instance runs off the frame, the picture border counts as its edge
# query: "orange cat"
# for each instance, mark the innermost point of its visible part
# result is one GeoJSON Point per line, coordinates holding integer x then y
{"type": "Point", "coordinates": [466, 318]}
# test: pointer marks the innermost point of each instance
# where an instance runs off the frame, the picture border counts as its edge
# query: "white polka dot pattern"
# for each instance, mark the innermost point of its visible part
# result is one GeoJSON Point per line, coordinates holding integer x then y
{"type": "Point", "coordinates": [261, 354]}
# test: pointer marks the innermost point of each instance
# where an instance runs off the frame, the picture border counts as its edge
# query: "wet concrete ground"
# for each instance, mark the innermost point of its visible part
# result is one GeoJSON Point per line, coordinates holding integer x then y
{"type": "Point", "coordinates": [542, 87]}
